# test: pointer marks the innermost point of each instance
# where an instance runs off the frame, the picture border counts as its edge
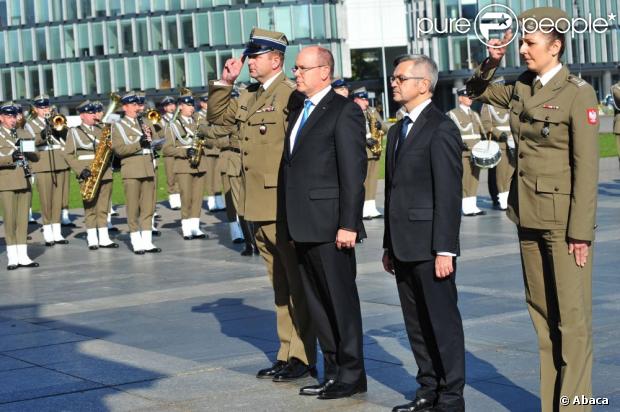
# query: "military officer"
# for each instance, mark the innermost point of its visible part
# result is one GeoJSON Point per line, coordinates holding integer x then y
{"type": "Point", "coordinates": [470, 126]}
{"type": "Point", "coordinates": [131, 141]}
{"type": "Point", "coordinates": [373, 122]}
{"type": "Point", "coordinates": [261, 116]}
{"type": "Point", "coordinates": [615, 91]}
{"type": "Point", "coordinates": [552, 200]}
{"type": "Point", "coordinates": [82, 144]}
{"type": "Point", "coordinates": [215, 200]}
{"type": "Point", "coordinates": [496, 121]}
{"type": "Point", "coordinates": [50, 170]}
{"type": "Point", "coordinates": [341, 87]}
{"type": "Point", "coordinates": [168, 106]}
{"type": "Point", "coordinates": [181, 140]}
{"type": "Point", "coordinates": [15, 189]}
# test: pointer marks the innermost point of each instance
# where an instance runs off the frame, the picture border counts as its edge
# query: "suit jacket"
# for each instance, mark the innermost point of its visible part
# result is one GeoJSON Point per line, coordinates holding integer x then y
{"type": "Point", "coordinates": [556, 134]}
{"type": "Point", "coordinates": [261, 122]}
{"type": "Point", "coordinates": [322, 181]}
{"type": "Point", "coordinates": [423, 188]}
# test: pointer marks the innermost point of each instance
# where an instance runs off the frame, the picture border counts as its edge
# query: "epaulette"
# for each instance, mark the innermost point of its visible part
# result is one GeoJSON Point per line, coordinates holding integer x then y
{"type": "Point", "coordinates": [290, 83]}
{"type": "Point", "coordinates": [577, 81]}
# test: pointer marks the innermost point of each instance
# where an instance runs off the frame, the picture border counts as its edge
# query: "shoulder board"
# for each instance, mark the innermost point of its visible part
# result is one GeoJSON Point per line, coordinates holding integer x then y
{"type": "Point", "coordinates": [289, 83]}
{"type": "Point", "coordinates": [576, 80]}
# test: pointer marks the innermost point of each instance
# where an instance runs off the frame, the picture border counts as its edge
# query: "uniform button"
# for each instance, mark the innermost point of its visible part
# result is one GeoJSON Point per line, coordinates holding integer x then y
{"type": "Point", "coordinates": [245, 168]}
{"type": "Point", "coordinates": [245, 153]}
{"type": "Point", "coordinates": [246, 139]}
{"type": "Point", "coordinates": [520, 155]}
{"type": "Point", "coordinates": [556, 188]}
{"type": "Point", "coordinates": [522, 138]}
{"type": "Point", "coordinates": [521, 173]}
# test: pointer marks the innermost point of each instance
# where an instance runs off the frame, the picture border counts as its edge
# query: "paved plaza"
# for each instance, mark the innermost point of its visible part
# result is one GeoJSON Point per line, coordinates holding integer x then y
{"type": "Point", "coordinates": [188, 329]}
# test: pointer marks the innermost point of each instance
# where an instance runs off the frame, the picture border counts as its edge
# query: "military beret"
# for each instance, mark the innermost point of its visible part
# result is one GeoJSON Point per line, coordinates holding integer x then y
{"type": "Point", "coordinates": [133, 97]}
{"type": "Point", "coordinates": [338, 83]}
{"type": "Point", "coordinates": [42, 100]}
{"type": "Point", "coordinates": [9, 108]}
{"type": "Point", "coordinates": [264, 41]}
{"type": "Point", "coordinates": [361, 93]}
{"type": "Point", "coordinates": [532, 19]}
{"type": "Point", "coordinates": [86, 107]}
{"type": "Point", "coordinates": [461, 91]}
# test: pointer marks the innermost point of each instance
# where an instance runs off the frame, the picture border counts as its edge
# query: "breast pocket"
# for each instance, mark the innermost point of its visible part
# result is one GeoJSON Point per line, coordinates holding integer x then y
{"type": "Point", "coordinates": [553, 199]}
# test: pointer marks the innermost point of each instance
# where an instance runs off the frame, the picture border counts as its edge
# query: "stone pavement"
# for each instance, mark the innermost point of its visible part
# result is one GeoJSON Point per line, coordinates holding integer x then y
{"type": "Point", "coordinates": [186, 330]}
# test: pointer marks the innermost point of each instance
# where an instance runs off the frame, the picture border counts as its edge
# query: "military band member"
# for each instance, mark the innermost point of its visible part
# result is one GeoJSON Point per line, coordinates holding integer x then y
{"type": "Point", "coordinates": [168, 106]}
{"type": "Point", "coordinates": [131, 141]}
{"type": "Point", "coordinates": [496, 120]}
{"type": "Point", "coordinates": [181, 138]}
{"type": "Point", "coordinates": [472, 132]}
{"type": "Point", "coordinates": [341, 87]}
{"type": "Point", "coordinates": [373, 120]}
{"type": "Point", "coordinates": [82, 144]}
{"type": "Point", "coordinates": [553, 196]}
{"type": "Point", "coordinates": [215, 201]}
{"type": "Point", "coordinates": [260, 115]}
{"type": "Point", "coordinates": [615, 91]}
{"type": "Point", "coordinates": [50, 170]}
{"type": "Point", "coordinates": [15, 189]}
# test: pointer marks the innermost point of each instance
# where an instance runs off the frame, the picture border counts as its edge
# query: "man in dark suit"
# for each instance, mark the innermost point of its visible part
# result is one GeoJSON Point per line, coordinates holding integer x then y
{"type": "Point", "coordinates": [321, 197]}
{"type": "Point", "coordinates": [421, 238]}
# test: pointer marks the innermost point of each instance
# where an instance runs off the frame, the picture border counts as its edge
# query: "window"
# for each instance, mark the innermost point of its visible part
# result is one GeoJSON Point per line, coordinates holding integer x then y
{"type": "Point", "coordinates": [301, 23]}
{"type": "Point", "coordinates": [76, 77]}
{"type": "Point", "coordinates": [13, 52]}
{"type": "Point", "coordinates": [218, 29]}
{"type": "Point", "coordinates": [100, 6]}
{"type": "Point", "coordinates": [187, 36]}
{"type": "Point", "coordinates": [318, 21]}
{"type": "Point", "coordinates": [91, 78]}
{"type": "Point", "coordinates": [145, 6]}
{"type": "Point", "coordinates": [115, 7]}
{"type": "Point", "coordinates": [69, 42]}
{"type": "Point", "coordinates": [33, 74]}
{"type": "Point", "coordinates": [3, 14]}
{"type": "Point", "coordinates": [127, 37]}
{"type": "Point", "coordinates": [164, 73]}
{"type": "Point", "coordinates": [104, 76]}
{"type": "Point", "coordinates": [62, 86]}
{"type": "Point", "coordinates": [53, 52]}
{"type": "Point", "coordinates": [133, 73]}
{"type": "Point", "coordinates": [56, 11]}
{"type": "Point", "coordinates": [97, 29]}
{"type": "Point", "coordinates": [210, 66]}
{"type": "Point", "coordinates": [48, 79]}
{"type": "Point", "coordinates": [119, 74]}
{"type": "Point", "coordinates": [148, 72]}
{"type": "Point", "coordinates": [179, 70]}
{"type": "Point", "coordinates": [83, 48]}
{"type": "Point", "coordinates": [29, 11]}
{"type": "Point", "coordinates": [141, 35]}
{"type": "Point", "coordinates": [7, 92]}
{"type": "Point", "coordinates": [202, 30]}
{"type": "Point", "coordinates": [265, 18]}
{"type": "Point", "coordinates": [175, 5]}
{"type": "Point", "coordinates": [2, 49]}
{"type": "Point", "coordinates": [171, 30]}
{"type": "Point", "coordinates": [159, 5]}
{"type": "Point", "coordinates": [15, 19]}
{"type": "Point", "coordinates": [234, 27]}
{"type": "Point", "coordinates": [194, 76]}
{"type": "Point", "coordinates": [41, 47]}
{"type": "Point", "coordinates": [20, 83]}
{"type": "Point", "coordinates": [156, 36]}
{"type": "Point", "coordinates": [112, 38]}
{"type": "Point", "coordinates": [27, 45]}
{"type": "Point", "coordinates": [250, 20]}
{"type": "Point", "coordinates": [86, 9]}
{"type": "Point", "coordinates": [71, 9]}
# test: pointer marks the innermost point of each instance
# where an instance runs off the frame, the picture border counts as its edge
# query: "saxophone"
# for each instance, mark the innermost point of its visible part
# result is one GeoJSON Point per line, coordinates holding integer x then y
{"type": "Point", "coordinates": [197, 144]}
{"type": "Point", "coordinates": [376, 134]}
{"type": "Point", "coordinates": [103, 156]}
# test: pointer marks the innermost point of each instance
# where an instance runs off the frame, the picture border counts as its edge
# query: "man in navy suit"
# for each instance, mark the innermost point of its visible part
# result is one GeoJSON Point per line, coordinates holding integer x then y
{"type": "Point", "coordinates": [321, 197]}
{"type": "Point", "coordinates": [421, 239]}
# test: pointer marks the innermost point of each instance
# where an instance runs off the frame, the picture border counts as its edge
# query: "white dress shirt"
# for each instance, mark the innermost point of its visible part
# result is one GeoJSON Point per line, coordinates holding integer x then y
{"type": "Point", "coordinates": [546, 78]}
{"type": "Point", "coordinates": [315, 100]}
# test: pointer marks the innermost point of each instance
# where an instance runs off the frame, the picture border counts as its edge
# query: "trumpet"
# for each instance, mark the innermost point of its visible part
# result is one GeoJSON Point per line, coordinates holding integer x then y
{"type": "Point", "coordinates": [153, 115]}
{"type": "Point", "coordinates": [56, 121]}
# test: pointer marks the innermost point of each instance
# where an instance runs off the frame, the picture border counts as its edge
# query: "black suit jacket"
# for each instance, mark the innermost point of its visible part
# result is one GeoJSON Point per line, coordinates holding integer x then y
{"type": "Point", "coordinates": [423, 188]}
{"type": "Point", "coordinates": [322, 181]}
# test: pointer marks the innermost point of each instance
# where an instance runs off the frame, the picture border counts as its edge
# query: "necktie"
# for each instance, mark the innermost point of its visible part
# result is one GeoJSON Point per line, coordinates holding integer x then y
{"type": "Point", "coordinates": [403, 133]}
{"type": "Point", "coordinates": [304, 117]}
{"type": "Point", "coordinates": [536, 86]}
{"type": "Point", "coordinates": [259, 92]}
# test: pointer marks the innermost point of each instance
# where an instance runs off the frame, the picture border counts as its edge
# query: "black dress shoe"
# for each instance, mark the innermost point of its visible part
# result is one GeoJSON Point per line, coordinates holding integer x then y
{"type": "Point", "coordinates": [32, 222]}
{"type": "Point", "coordinates": [12, 267]}
{"type": "Point", "coordinates": [138, 252]}
{"type": "Point", "coordinates": [113, 229]}
{"type": "Point", "coordinates": [418, 405]}
{"type": "Point", "coordinates": [248, 251]}
{"type": "Point", "coordinates": [342, 390]}
{"type": "Point", "coordinates": [156, 232]}
{"type": "Point", "coordinates": [256, 251]}
{"type": "Point", "coordinates": [29, 265]}
{"type": "Point", "coordinates": [93, 247]}
{"type": "Point", "coordinates": [70, 224]}
{"type": "Point", "coordinates": [268, 373]}
{"type": "Point", "coordinates": [238, 241]}
{"type": "Point", "coordinates": [110, 246]}
{"type": "Point", "coordinates": [367, 218]}
{"type": "Point", "coordinates": [316, 390]}
{"type": "Point", "coordinates": [481, 213]}
{"type": "Point", "coordinates": [188, 237]}
{"type": "Point", "coordinates": [200, 236]}
{"type": "Point", "coordinates": [294, 369]}
{"type": "Point", "coordinates": [50, 244]}
{"type": "Point", "coordinates": [62, 242]}
{"type": "Point", "coordinates": [154, 250]}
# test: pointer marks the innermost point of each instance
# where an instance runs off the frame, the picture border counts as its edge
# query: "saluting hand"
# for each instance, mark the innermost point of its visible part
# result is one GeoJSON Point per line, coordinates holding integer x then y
{"type": "Point", "coordinates": [579, 248]}
{"type": "Point", "coordinates": [497, 53]}
{"type": "Point", "coordinates": [232, 69]}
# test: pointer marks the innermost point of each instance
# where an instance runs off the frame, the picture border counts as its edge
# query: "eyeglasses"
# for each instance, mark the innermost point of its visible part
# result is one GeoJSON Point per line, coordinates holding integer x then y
{"type": "Point", "coordinates": [303, 70]}
{"type": "Point", "coordinates": [400, 79]}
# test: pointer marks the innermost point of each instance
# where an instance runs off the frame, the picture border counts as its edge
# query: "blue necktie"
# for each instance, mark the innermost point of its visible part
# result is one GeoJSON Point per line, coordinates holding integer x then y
{"type": "Point", "coordinates": [403, 133]}
{"type": "Point", "coordinates": [304, 117]}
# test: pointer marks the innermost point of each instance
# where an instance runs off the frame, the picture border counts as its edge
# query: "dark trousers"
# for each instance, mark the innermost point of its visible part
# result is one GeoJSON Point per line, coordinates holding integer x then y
{"type": "Point", "coordinates": [328, 276]}
{"type": "Point", "coordinates": [435, 331]}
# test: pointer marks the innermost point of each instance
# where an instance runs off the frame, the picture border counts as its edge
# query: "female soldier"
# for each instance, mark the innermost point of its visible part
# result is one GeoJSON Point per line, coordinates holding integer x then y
{"type": "Point", "coordinates": [552, 200]}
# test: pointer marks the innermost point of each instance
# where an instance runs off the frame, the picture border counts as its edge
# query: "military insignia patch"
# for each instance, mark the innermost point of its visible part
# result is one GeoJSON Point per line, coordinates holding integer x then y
{"type": "Point", "coordinates": [592, 116]}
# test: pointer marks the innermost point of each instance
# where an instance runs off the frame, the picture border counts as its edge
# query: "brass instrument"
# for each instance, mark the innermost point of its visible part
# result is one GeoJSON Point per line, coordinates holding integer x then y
{"type": "Point", "coordinates": [153, 115]}
{"type": "Point", "coordinates": [57, 121]}
{"type": "Point", "coordinates": [197, 145]}
{"type": "Point", "coordinates": [25, 118]}
{"type": "Point", "coordinates": [103, 155]}
{"type": "Point", "coordinates": [375, 133]}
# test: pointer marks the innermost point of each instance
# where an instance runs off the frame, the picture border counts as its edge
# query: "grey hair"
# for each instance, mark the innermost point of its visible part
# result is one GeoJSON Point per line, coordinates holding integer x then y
{"type": "Point", "coordinates": [430, 65]}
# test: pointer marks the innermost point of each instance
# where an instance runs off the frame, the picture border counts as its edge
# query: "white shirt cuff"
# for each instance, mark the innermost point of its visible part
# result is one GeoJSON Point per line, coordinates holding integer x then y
{"type": "Point", "coordinates": [445, 254]}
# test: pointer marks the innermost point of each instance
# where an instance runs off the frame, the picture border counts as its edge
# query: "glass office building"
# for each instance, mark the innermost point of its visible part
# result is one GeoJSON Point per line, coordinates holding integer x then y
{"type": "Point", "coordinates": [76, 48]}
{"type": "Point", "coordinates": [594, 56]}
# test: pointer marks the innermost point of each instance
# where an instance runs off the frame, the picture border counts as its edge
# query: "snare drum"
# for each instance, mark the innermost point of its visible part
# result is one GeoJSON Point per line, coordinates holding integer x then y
{"type": "Point", "coordinates": [486, 154]}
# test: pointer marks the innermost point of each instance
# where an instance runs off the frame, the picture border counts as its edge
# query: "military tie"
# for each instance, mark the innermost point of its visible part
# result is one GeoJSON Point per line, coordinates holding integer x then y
{"type": "Point", "coordinates": [536, 86]}
{"type": "Point", "coordinates": [402, 137]}
{"type": "Point", "coordinates": [260, 91]}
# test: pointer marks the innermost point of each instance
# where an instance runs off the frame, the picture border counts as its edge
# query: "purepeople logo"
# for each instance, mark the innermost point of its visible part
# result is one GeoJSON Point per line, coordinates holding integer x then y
{"type": "Point", "coordinates": [494, 19]}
